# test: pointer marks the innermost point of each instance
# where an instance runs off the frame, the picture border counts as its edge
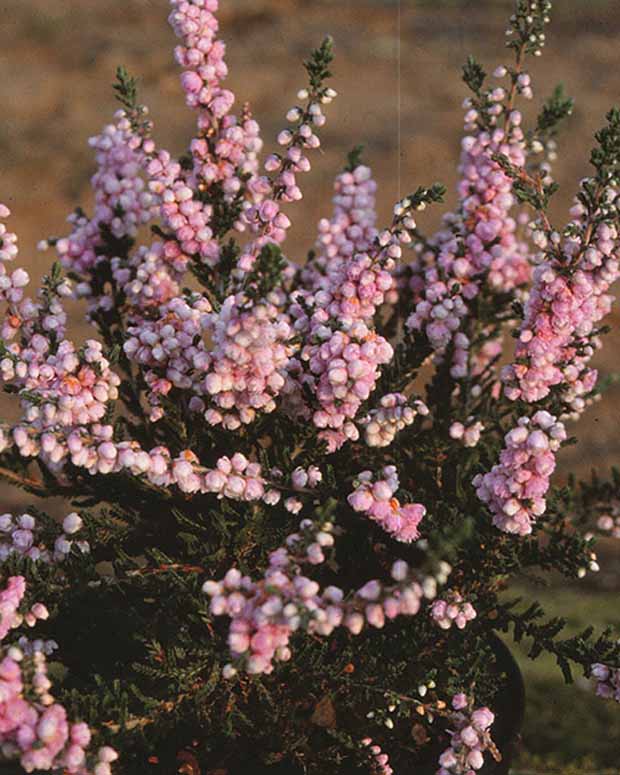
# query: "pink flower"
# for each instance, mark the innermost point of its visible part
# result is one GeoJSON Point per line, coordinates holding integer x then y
{"type": "Point", "coordinates": [376, 499]}
{"type": "Point", "coordinates": [10, 599]}
{"type": "Point", "coordinates": [514, 489]}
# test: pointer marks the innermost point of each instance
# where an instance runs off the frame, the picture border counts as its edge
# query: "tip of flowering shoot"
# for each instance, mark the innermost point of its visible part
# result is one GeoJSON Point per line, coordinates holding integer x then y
{"type": "Point", "coordinates": [317, 66]}
{"type": "Point", "coordinates": [556, 108]}
{"type": "Point", "coordinates": [126, 88]}
{"type": "Point", "coordinates": [528, 190]}
{"type": "Point", "coordinates": [606, 156]}
{"type": "Point", "coordinates": [473, 75]}
{"type": "Point", "coordinates": [424, 196]}
{"type": "Point", "coordinates": [354, 158]}
{"type": "Point", "coordinates": [526, 27]}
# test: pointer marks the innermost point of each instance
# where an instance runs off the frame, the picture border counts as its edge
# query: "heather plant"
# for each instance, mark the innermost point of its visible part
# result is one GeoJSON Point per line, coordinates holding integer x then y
{"type": "Point", "coordinates": [288, 548]}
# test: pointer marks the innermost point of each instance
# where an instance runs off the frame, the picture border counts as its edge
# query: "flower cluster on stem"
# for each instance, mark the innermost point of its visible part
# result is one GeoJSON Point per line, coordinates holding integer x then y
{"type": "Point", "coordinates": [265, 614]}
{"type": "Point", "coordinates": [375, 497]}
{"type": "Point", "coordinates": [470, 738]}
{"type": "Point", "coordinates": [453, 610]}
{"type": "Point", "coordinates": [23, 536]}
{"type": "Point", "coordinates": [394, 413]}
{"type": "Point", "coordinates": [514, 489]}
{"type": "Point", "coordinates": [607, 681]}
{"type": "Point", "coordinates": [34, 728]}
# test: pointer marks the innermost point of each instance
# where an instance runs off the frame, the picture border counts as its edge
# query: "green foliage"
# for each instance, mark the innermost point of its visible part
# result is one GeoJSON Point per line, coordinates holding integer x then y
{"type": "Point", "coordinates": [556, 108]}
{"type": "Point", "coordinates": [531, 191]}
{"type": "Point", "coordinates": [126, 88]}
{"type": "Point", "coordinates": [423, 196]}
{"type": "Point", "coordinates": [605, 157]}
{"type": "Point", "coordinates": [266, 274]}
{"type": "Point", "coordinates": [354, 158]}
{"type": "Point", "coordinates": [474, 75]}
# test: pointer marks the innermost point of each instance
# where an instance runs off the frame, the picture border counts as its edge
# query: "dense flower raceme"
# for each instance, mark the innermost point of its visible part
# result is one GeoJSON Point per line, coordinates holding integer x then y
{"type": "Point", "coordinates": [242, 372]}
{"type": "Point", "coordinates": [72, 391]}
{"type": "Point", "coordinates": [34, 728]}
{"type": "Point", "coordinates": [170, 348]}
{"type": "Point", "coordinates": [342, 353]}
{"type": "Point", "coordinates": [478, 244]}
{"type": "Point", "coordinates": [122, 200]}
{"type": "Point", "coordinates": [265, 614]}
{"type": "Point", "coordinates": [152, 278]}
{"type": "Point", "coordinates": [224, 151]}
{"type": "Point", "coordinates": [64, 425]}
{"type": "Point", "coordinates": [556, 342]}
{"type": "Point", "coordinates": [250, 353]}
{"type": "Point", "coordinates": [569, 298]}
{"type": "Point", "coordinates": [65, 398]}
{"type": "Point", "coordinates": [470, 738]}
{"type": "Point", "coordinates": [607, 681]}
{"type": "Point", "coordinates": [375, 496]}
{"type": "Point", "coordinates": [515, 488]}
{"type": "Point", "coordinates": [350, 230]}
{"type": "Point", "coordinates": [245, 371]}
{"type": "Point", "coordinates": [234, 149]}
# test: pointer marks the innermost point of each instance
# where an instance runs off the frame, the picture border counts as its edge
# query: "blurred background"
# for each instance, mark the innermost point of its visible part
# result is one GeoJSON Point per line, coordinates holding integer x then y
{"type": "Point", "coordinates": [57, 63]}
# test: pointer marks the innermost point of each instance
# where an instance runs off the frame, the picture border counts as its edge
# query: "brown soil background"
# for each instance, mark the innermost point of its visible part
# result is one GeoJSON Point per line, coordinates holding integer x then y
{"type": "Point", "coordinates": [57, 61]}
